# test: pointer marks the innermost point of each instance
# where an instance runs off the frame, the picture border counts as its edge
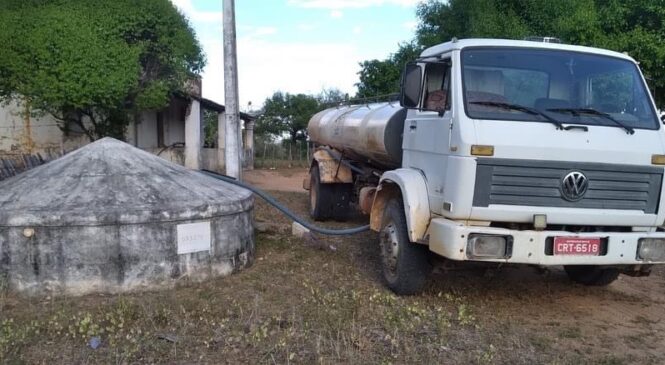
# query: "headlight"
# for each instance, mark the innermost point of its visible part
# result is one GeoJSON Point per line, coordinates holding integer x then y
{"type": "Point", "coordinates": [651, 249]}
{"type": "Point", "coordinates": [488, 246]}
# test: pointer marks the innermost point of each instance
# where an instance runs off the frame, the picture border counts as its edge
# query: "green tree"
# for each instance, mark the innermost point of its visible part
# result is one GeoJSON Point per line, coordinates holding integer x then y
{"type": "Point", "coordinates": [377, 78]}
{"type": "Point", "coordinates": [636, 27]}
{"type": "Point", "coordinates": [382, 77]}
{"type": "Point", "coordinates": [331, 97]}
{"type": "Point", "coordinates": [511, 19]}
{"type": "Point", "coordinates": [210, 128]}
{"type": "Point", "coordinates": [95, 64]}
{"type": "Point", "coordinates": [287, 114]}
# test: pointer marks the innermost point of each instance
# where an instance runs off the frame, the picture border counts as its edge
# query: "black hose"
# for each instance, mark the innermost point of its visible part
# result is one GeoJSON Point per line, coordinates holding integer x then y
{"type": "Point", "coordinates": [286, 211]}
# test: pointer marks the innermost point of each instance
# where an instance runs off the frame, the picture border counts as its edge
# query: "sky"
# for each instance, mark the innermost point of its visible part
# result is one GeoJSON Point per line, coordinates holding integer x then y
{"type": "Point", "coordinates": [298, 46]}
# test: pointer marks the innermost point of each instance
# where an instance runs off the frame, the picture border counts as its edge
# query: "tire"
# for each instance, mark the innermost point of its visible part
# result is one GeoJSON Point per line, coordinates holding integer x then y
{"type": "Point", "coordinates": [591, 275]}
{"type": "Point", "coordinates": [320, 196]}
{"type": "Point", "coordinates": [341, 205]}
{"type": "Point", "coordinates": [328, 201]}
{"type": "Point", "coordinates": [405, 264]}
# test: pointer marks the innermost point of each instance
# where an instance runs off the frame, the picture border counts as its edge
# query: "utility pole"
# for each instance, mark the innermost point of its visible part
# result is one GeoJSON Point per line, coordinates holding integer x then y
{"type": "Point", "coordinates": [233, 134]}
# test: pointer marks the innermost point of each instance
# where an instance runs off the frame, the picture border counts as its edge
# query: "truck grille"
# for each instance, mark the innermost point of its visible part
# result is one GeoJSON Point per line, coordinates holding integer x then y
{"type": "Point", "coordinates": [538, 183]}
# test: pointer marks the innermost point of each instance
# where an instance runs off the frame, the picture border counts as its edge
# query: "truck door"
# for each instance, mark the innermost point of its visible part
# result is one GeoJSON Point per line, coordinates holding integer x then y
{"type": "Point", "coordinates": [427, 130]}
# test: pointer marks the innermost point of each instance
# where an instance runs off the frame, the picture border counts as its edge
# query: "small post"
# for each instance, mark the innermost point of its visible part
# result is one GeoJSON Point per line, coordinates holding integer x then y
{"type": "Point", "coordinates": [233, 133]}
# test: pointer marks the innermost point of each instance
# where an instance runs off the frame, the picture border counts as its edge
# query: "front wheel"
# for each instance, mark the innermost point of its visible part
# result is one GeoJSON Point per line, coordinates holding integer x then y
{"type": "Point", "coordinates": [405, 264]}
{"type": "Point", "coordinates": [591, 275]}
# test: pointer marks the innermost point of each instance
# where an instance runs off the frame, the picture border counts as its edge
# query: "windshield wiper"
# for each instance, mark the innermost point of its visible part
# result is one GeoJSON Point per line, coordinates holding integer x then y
{"type": "Point", "coordinates": [579, 111]}
{"type": "Point", "coordinates": [521, 108]}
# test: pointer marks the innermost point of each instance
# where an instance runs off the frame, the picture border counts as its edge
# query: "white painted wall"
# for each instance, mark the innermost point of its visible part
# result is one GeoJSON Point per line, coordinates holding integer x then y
{"type": "Point", "coordinates": [147, 130]}
{"type": "Point", "coordinates": [175, 155]}
{"type": "Point", "coordinates": [174, 122]}
{"type": "Point", "coordinates": [212, 159]}
{"type": "Point", "coordinates": [21, 133]}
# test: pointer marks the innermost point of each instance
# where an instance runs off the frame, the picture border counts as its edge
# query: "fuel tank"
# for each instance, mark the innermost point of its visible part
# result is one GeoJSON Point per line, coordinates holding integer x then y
{"type": "Point", "coordinates": [371, 132]}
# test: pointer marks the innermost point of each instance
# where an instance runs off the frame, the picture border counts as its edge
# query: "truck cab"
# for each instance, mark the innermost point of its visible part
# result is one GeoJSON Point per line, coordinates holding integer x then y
{"type": "Point", "coordinates": [528, 153]}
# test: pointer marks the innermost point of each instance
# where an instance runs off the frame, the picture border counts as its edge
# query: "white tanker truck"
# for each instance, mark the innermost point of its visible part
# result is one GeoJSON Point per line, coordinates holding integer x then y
{"type": "Point", "coordinates": [502, 151]}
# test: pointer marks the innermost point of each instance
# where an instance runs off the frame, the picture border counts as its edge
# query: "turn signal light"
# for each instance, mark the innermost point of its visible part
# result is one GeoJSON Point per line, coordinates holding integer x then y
{"type": "Point", "coordinates": [658, 159]}
{"type": "Point", "coordinates": [480, 150]}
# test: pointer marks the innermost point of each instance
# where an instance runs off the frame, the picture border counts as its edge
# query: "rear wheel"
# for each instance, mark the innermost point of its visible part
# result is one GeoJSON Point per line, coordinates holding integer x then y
{"type": "Point", "coordinates": [328, 201]}
{"type": "Point", "coordinates": [591, 275]}
{"type": "Point", "coordinates": [405, 264]}
{"type": "Point", "coordinates": [320, 196]}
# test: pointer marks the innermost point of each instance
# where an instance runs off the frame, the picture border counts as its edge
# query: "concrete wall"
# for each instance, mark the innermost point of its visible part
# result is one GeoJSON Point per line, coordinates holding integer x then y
{"type": "Point", "coordinates": [119, 258]}
{"type": "Point", "coordinates": [26, 134]}
{"type": "Point", "coordinates": [210, 158]}
{"type": "Point", "coordinates": [147, 131]}
{"type": "Point", "coordinates": [23, 133]}
{"type": "Point", "coordinates": [173, 154]}
{"type": "Point", "coordinates": [170, 122]}
{"type": "Point", "coordinates": [174, 122]}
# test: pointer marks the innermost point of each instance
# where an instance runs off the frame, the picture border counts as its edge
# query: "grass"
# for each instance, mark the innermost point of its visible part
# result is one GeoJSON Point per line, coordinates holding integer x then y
{"type": "Point", "coordinates": [298, 304]}
{"type": "Point", "coordinates": [305, 303]}
{"type": "Point", "coordinates": [301, 314]}
{"type": "Point", "coordinates": [570, 332]}
{"type": "Point", "coordinates": [540, 343]}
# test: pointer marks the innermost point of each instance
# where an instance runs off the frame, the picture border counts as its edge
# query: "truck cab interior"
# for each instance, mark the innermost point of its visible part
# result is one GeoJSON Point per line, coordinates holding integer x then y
{"type": "Point", "coordinates": [557, 83]}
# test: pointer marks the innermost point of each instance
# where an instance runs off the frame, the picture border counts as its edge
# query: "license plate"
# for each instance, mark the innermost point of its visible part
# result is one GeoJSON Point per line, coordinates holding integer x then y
{"type": "Point", "coordinates": [589, 246]}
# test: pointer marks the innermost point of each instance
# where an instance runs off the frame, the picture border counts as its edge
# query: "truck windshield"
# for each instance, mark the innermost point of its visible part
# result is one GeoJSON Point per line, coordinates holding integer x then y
{"type": "Point", "coordinates": [560, 84]}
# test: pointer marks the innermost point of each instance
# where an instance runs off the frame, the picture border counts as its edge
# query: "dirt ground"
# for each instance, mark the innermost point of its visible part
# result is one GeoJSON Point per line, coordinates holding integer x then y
{"type": "Point", "coordinates": [321, 300]}
{"type": "Point", "coordinates": [278, 179]}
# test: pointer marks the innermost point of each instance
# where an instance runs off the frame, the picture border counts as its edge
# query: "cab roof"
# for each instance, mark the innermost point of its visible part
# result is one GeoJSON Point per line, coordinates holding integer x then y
{"type": "Point", "coordinates": [486, 42]}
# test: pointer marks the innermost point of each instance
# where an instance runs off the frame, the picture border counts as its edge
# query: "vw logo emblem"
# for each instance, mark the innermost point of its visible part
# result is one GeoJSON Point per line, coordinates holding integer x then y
{"type": "Point", "coordinates": [574, 186]}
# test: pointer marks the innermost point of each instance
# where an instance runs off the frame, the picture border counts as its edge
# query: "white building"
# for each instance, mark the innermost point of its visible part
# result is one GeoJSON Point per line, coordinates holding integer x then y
{"type": "Point", "coordinates": [175, 133]}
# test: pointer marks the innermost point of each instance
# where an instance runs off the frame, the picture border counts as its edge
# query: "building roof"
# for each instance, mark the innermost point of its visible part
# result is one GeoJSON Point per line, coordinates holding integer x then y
{"type": "Point", "coordinates": [211, 105]}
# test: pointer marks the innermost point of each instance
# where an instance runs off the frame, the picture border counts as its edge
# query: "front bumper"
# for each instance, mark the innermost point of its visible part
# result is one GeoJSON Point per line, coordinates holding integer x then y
{"type": "Point", "coordinates": [449, 239]}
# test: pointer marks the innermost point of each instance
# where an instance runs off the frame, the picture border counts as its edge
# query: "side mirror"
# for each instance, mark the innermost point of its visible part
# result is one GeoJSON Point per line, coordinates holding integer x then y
{"type": "Point", "coordinates": [411, 87]}
{"type": "Point", "coordinates": [662, 118]}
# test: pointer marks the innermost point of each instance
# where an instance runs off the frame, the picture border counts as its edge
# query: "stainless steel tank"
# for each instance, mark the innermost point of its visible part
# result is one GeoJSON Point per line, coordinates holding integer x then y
{"type": "Point", "coordinates": [370, 132]}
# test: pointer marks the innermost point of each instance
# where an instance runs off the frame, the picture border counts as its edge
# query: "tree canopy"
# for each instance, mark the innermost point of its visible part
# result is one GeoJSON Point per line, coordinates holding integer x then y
{"type": "Point", "coordinates": [92, 64]}
{"type": "Point", "coordinates": [288, 114]}
{"type": "Point", "coordinates": [381, 77]}
{"type": "Point", "coordinates": [635, 27]}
